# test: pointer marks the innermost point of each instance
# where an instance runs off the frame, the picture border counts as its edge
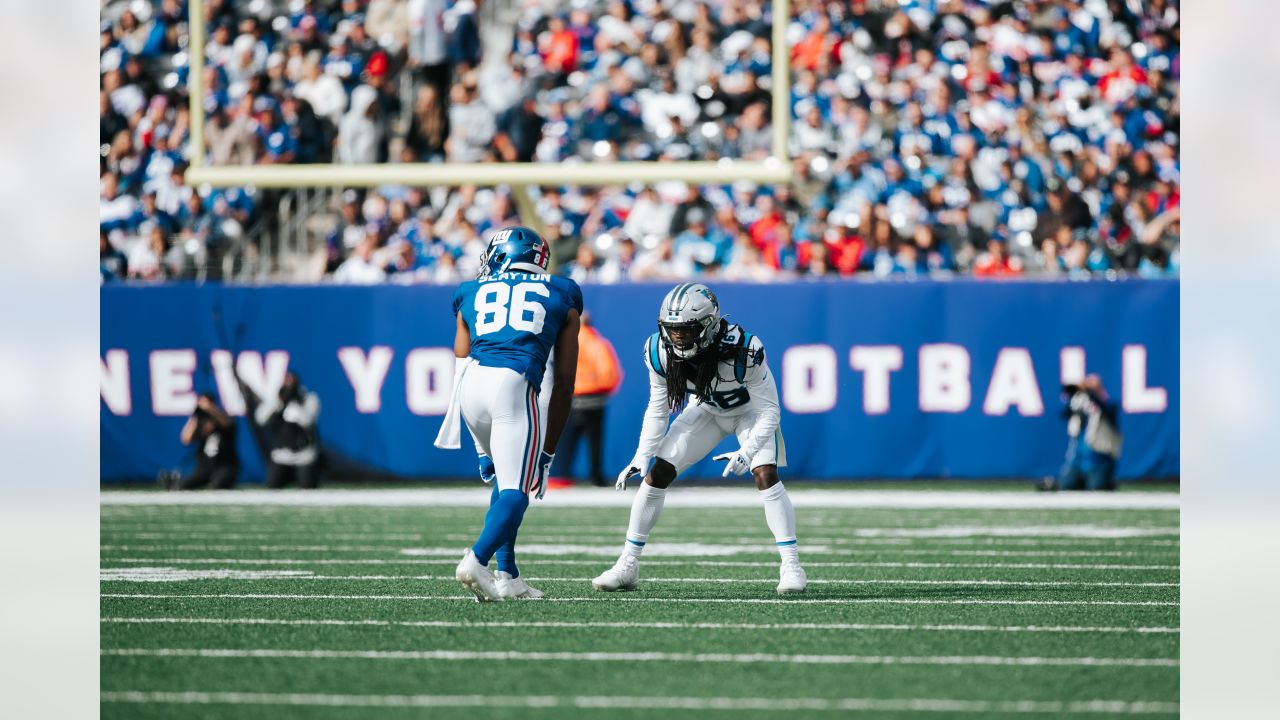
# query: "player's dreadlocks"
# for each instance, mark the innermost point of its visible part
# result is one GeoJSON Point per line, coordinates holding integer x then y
{"type": "Point", "coordinates": [700, 370]}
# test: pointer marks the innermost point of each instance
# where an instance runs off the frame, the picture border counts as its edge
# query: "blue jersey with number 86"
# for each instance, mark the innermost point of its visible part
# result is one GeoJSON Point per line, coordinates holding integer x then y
{"type": "Point", "coordinates": [515, 318]}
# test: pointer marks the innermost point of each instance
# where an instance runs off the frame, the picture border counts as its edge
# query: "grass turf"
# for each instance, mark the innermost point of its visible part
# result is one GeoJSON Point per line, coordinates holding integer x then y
{"type": "Point", "coordinates": [907, 605]}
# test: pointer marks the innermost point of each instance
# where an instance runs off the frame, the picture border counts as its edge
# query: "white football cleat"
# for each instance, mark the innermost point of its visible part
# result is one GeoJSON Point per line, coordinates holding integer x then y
{"type": "Point", "coordinates": [624, 575]}
{"type": "Point", "coordinates": [477, 578]}
{"type": "Point", "coordinates": [791, 577]}
{"type": "Point", "coordinates": [515, 588]}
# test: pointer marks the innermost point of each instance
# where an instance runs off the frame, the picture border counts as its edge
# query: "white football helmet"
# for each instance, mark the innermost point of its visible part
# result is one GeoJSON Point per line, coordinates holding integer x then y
{"type": "Point", "coordinates": [689, 319]}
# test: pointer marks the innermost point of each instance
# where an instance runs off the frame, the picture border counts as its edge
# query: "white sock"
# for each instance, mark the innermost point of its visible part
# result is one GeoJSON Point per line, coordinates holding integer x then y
{"type": "Point", "coordinates": [645, 510]}
{"type": "Point", "coordinates": [781, 517]}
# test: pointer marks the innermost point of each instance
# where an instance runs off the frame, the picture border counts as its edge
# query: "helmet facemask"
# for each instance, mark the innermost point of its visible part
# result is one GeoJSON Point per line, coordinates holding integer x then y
{"type": "Point", "coordinates": [687, 339]}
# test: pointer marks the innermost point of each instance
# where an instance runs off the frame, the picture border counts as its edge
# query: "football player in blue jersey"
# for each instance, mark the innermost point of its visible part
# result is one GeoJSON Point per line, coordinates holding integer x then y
{"type": "Point", "coordinates": [713, 374]}
{"type": "Point", "coordinates": [509, 321]}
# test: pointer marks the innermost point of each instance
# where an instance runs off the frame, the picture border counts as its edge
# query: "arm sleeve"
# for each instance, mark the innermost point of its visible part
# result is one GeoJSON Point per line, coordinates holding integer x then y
{"type": "Point", "coordinates": [570, 291]}
{"type": "Point", "coordinates": [457, 300]}
{"type": "Point", "coordinates": [656, 414]}
{"type": "Point", "coordinates": [764, 396]}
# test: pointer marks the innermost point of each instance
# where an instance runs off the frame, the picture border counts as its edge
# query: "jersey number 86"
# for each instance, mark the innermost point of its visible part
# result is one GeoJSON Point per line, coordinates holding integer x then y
{"type": "Point", "coordinates": [499, 305]}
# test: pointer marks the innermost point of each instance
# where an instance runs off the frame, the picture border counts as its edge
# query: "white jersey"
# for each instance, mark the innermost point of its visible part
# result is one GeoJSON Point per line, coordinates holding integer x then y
{"type": "Point", "coordinates": [743, 390]}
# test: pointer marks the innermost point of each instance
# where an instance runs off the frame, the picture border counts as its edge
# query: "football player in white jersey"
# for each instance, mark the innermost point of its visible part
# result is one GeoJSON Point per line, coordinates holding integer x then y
{"type": "Point", "coordinates": [714, 375]}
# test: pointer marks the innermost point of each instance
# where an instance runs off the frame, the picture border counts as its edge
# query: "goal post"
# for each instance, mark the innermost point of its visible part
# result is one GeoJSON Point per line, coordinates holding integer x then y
{"type": "Point", "coordinates": [774, 169]}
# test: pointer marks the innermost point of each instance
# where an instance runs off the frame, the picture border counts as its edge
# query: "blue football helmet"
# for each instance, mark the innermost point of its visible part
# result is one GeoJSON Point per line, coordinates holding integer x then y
{"type": "Point", "coordinates": [515, 248]}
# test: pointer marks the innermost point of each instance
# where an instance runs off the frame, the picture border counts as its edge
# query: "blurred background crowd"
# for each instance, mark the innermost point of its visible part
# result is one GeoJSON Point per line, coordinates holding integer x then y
{"type": "Point", "coordinates": [929, 137]}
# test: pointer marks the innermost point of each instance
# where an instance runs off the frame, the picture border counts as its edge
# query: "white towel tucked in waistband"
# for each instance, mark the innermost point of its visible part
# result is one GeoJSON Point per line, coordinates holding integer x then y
{"type": "Point", "coordinates": [450, 435]}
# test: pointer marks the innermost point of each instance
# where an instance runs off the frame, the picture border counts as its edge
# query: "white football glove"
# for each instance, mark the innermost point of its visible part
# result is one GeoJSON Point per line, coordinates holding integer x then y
{"type": "Point", "coordinates": [544, 472]}
{"type": "Point", "coordinates": [636, 468]}
{"type": "Point", "coordinates": [738, 463]}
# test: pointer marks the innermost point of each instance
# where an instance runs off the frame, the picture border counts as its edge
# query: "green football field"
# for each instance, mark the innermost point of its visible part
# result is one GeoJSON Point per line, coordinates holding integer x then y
{"type": "Point", "coordinates": [972, 607]}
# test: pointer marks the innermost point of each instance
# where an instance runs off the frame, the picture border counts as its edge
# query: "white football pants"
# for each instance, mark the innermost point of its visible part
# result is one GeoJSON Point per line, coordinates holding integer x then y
{"type": "Point", "coordinates": [502, 413]}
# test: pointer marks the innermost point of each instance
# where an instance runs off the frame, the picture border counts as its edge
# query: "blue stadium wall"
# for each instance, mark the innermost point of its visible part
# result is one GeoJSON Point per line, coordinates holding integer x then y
{"type": "Point", "coordinates": [971, 391]}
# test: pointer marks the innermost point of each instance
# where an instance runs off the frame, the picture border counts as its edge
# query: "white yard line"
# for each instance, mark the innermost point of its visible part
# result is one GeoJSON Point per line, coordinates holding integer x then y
{"type": "Point", "coordinates": [926, 565]}
{"type": "Point", "coordinates": [611, 597]}
{"type": "Point", "coordinates": [757, 540]}
{"type": "Point", "coordinates": [1028, 535]}
{"type": "Point", "coordinates": [646, 625]}
{"type": "Point", "coordinates": [658, 549]}
{"type": "Point", "coordinates": [732, 545]}
{"type": "Point", "coordinates": [257, 548]}
{"type": "Point", "coordinates": [161, 574]}
{"type": "Point", "coordinates": [1138, 537]}
{"type": "Point", "coordinates": [1022, 553]}
{"type": "Point", "coordinates": [180, 534]}
{"type": "Point", "coordinates": [633, 657]}
{"type": "Point", "coordinates": [696, 549]}
{"type": "Point", "coordinates": [648, 563]}
{"type": "Point", "coordinates": [911, 705]}
{"type": "Point", "coordinates": [739, 497]}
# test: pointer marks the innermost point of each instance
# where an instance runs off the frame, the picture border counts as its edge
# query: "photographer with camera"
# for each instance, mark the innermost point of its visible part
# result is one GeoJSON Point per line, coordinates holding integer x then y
{"type": "Point", "coordinates": [214, 435]}
{"type": "Point", "coordinates": [1094, 439]}
{"type": "Point", "coordinates": [289, 422]}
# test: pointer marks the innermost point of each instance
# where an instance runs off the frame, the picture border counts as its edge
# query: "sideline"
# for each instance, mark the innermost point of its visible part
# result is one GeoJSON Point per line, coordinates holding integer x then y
{"type": "Point", "coordinates": [683, 498]}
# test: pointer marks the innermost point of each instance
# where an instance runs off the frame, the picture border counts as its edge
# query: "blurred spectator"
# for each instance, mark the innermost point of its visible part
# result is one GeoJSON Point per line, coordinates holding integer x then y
{"type": "Point", "coordinates": [405, 264]}
{"type": "Point", "coordinates": [429, 126]}
{"type": "Point", "coordinates": [746, 264]}
{"type": "Point", "coordinates": [322, 91]}
{"type": "Point", "coordinates": [463, 34]}
{"type": "Point", "coordinates": [471, 124]}
{"type": "Point", "coordinates": [112, 264]}
{"type": "Point", "coordinates": [649, 217]}
{"type": "Point", "coordinates": [585, 266]}
{"type": "Point", "coordinates": [618, 268]}
{"type": "Point", "coordinates": [306, 131]}
{"type": "Point", "coordinates": [661, 264]}
{"type": "Point", "coordinates": [361, 268]}
{"type": "Point", "coordinates": [230, 135]}
{"type": "Point", "coordinates": [114, 209]}
{"type": "Point", "coordinates": [110, 121]}
{"type": "Point", "coordinates": [155, 258]}
{"type": "Point", "coordinates": [934, 257]}
{"type": "Point", "coordinates": [359, 134]}
{"type": "Point", "coordinates": [996, 261]}
{"type": "Point", "coordinates": [518, 131]}
{"type": "Point", "coordinates": [558, 47]}
{"type": "Point", "coordinates": [428, 51]}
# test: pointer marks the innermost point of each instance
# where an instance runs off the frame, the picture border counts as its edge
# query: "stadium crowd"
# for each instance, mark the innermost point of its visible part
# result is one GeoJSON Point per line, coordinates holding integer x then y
{"type": "Point", "coordinates": [928, 136]}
